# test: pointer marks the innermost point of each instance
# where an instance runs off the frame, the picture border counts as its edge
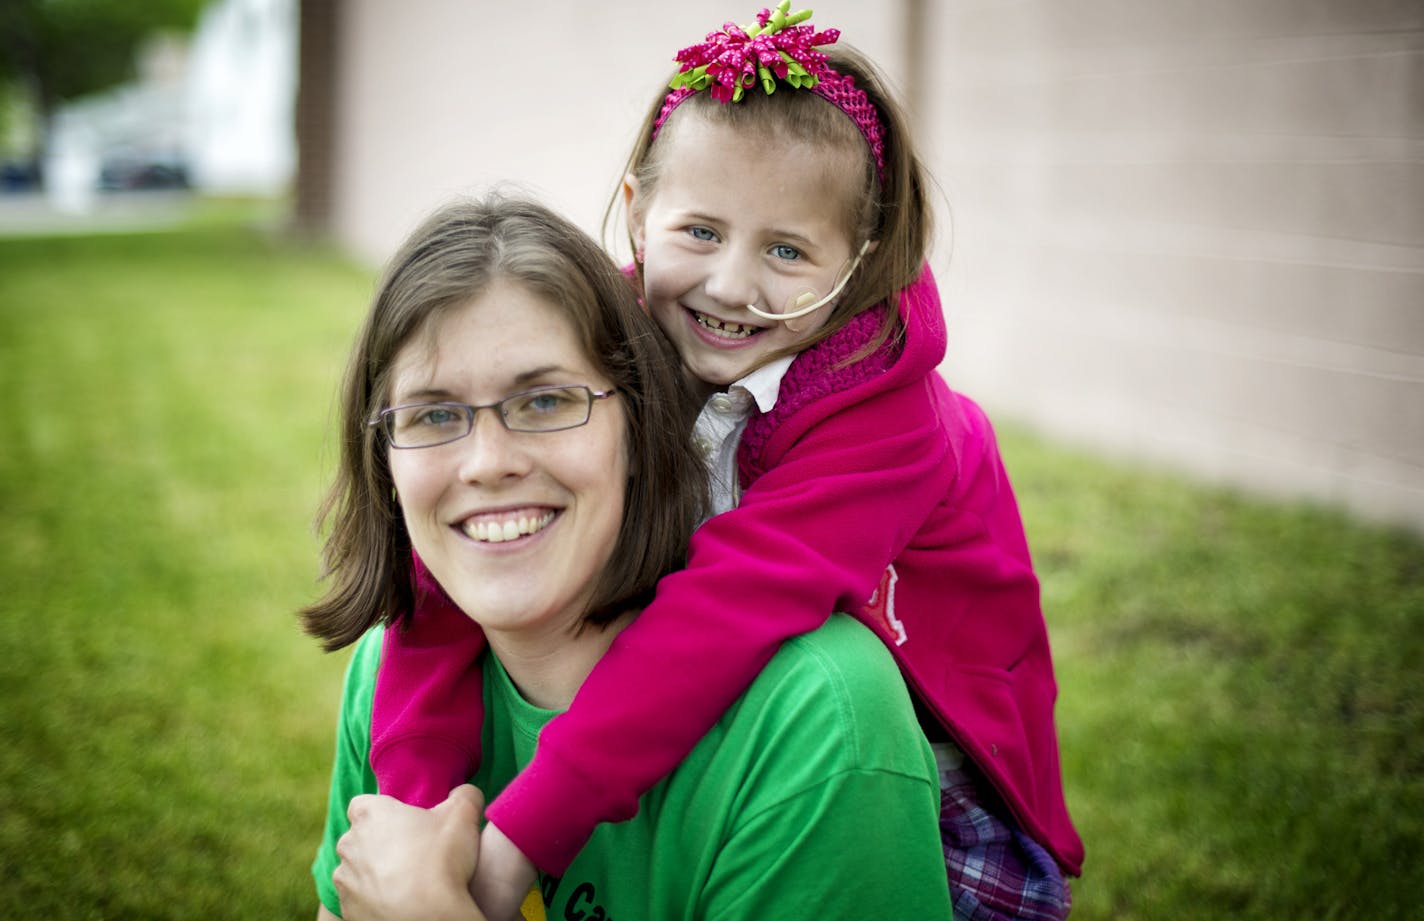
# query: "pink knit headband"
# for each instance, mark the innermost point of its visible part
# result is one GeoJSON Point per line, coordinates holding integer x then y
{"type": "Point", "coordinates": [777, 47]}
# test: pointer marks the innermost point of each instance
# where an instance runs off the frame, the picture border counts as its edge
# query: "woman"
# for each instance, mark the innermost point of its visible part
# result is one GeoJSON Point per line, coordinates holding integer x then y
{"type": "Point", "coordinates": [512, 416]}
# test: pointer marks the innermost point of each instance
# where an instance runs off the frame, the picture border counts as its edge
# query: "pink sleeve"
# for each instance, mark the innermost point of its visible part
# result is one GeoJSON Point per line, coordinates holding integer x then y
{"type": "Point", "coordinates": [428, 708]}
{"type": "Point", "coordinates": [813, 535]}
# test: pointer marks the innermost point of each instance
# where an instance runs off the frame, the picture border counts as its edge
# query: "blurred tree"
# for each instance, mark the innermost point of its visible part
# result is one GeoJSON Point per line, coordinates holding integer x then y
{"type": "Point", "coordinates": [62, 49]}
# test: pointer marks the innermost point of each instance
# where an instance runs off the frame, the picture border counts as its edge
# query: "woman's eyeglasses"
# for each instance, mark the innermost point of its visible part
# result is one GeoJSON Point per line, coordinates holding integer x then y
{"type": "Point", "coordinates": [543, 409]}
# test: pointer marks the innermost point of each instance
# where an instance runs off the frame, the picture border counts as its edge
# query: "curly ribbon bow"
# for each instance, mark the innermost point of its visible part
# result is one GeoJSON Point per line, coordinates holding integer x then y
{"type": "Point", "coordinates": [776, 47]}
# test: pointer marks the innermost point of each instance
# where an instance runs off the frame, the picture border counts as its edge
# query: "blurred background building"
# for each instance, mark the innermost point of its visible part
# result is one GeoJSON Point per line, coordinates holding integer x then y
{"type": "Point", "coordinates": [208, 108]}
{"type": "Point", "coordinates": [1189, 232]}
{"type": "Point", "coordinates": [241, 93]}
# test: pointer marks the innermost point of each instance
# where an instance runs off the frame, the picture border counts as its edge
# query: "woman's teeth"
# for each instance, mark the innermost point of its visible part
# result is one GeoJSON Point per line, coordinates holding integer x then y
{"type": "Point", "coordinates": [497, 532]}
{"type": "Point", "coordinates": [727, 330]}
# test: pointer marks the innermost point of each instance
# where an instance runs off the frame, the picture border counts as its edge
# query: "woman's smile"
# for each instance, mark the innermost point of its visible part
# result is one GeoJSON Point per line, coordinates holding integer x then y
{"type": "Point", "coordinates": [508, 526]}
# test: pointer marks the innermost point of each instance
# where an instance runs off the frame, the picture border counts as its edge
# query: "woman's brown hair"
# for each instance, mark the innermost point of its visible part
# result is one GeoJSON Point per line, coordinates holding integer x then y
{"type": "Point", "coordinates": [453, 257]}
{"type": "Point", "coordinates": [890, 208]}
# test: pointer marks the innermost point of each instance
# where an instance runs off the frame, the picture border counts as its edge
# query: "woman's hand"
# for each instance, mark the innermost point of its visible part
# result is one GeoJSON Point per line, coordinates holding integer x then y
{"type": "Point", "coordinates": [503, 876]}
{"type": "Point", "coordinates": [400, 862]}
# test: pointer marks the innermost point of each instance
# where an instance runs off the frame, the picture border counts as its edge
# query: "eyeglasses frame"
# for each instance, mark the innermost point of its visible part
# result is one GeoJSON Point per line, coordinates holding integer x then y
{"type": "Point", "coordinates": [471, 410]}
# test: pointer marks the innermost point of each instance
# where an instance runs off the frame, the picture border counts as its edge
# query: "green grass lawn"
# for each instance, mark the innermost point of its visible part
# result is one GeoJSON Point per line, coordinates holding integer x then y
{"type": "Point", "coordinates": [167, 729]}
{"type": "Point", "coordinates": [1241, 701]}
{"type": "Point", "coordinates": [1242, 706]}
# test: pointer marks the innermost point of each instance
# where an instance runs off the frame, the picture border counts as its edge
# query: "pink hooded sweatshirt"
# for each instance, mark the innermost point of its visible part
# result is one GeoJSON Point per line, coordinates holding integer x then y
{"type": "Point", "coordinates": [872, 489]}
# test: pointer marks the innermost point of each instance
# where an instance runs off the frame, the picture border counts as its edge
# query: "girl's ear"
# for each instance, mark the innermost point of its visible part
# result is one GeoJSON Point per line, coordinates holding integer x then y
{"type": "Point", "coordinates": [634, 214]}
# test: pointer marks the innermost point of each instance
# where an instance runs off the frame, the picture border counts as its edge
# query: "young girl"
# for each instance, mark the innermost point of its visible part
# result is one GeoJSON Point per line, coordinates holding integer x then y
{"type": "Point", "coordinates": [779, 219]}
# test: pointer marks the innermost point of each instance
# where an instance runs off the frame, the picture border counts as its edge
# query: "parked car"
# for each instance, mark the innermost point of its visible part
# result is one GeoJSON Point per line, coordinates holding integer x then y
{"type": "Point", "coordinates": [128, 172]}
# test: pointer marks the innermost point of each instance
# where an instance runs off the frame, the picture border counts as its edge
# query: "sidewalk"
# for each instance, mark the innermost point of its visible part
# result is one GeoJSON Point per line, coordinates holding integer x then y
{"type": "Point", "coordinates": [33, 214]}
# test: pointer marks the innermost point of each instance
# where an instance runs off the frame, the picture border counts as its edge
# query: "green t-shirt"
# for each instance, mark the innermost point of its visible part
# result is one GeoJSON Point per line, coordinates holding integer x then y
{"type": "Point", "coordinates": [815, 796]}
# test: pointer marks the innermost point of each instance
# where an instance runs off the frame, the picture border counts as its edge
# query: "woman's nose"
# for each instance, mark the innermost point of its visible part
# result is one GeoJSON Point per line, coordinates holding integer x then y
{"type": "Point", "coordinates": [492, 453]}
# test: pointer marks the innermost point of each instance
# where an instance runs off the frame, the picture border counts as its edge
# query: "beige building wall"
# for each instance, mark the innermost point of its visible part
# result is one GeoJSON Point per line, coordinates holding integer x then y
{"type": "Point", "coordinates": [1193, 231]}
{"type": "Point", "coordinates": [1187, 231]}
{"type": "Point", "coordinates": [441, 97]}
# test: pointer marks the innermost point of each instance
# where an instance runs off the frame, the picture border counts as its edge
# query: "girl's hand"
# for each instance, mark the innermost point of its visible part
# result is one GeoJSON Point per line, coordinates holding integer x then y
{"type": "Point", "coordinates": [400, 862]}
{"type": "Point", "coordinates": [503, 876]}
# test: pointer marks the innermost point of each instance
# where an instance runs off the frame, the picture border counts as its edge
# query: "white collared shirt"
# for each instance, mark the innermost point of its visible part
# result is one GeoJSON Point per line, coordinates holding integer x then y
{"type": "Point", "coordinates": [719, 427]}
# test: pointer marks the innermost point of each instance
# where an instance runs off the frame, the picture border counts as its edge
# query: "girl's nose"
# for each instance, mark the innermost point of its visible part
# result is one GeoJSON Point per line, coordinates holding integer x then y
{"type": "Point", "coordinates": [492, 453]}
{"type": "Point", "coordinates": [732, 280]}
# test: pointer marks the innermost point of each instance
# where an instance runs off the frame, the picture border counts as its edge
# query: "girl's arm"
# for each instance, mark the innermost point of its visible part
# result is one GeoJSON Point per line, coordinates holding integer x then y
{"type": "Point", "coordinates": [427, 715]}
{"type": "Point", "coordinates": [812, 535]}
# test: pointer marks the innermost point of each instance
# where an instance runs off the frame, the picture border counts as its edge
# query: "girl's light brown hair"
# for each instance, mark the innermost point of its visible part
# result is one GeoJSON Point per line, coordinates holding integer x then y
{"type": "Point", "coordinates": [891, 209]}
{"type": "Point", "coordinates": [453, 257]}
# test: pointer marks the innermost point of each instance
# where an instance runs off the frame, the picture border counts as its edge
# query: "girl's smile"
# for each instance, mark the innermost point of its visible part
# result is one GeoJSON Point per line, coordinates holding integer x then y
{"type": "Point", "coordinates": [722, 333]}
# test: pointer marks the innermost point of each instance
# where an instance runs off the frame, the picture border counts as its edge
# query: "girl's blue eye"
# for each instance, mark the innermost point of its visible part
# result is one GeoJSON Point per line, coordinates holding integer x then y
{"type": "Point", "coordinates": [783, 251]}
{"type": "Point", "coordinates": [702, 233]}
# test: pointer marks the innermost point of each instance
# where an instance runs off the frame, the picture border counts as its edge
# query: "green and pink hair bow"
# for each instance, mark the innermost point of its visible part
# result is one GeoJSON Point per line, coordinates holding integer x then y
{"type": "Point", "coordinates": [776, 48]}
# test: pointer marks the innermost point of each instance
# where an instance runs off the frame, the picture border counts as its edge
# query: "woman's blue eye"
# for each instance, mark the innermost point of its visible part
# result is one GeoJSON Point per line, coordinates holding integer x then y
{"type": "Point", "coordinates": [437, 416]}
{"type": "Point", "coordinates": [783, 251]}
{"type": "Point", "coordinates": [702, 233]}
{"type": "Point", "coordinates": [547, 402]}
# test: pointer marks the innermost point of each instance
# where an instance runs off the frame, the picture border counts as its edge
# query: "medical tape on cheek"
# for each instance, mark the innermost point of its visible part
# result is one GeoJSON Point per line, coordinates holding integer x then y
{"type": "Point", "coordinates": [799, 307]}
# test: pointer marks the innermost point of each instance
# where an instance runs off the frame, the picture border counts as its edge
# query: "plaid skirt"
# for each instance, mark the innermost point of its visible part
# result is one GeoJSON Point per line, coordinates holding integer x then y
{"type": "Point", "coordinates": [996, 872]}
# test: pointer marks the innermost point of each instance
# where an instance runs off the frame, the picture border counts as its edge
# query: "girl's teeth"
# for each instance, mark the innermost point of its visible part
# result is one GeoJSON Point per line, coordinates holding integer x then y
{"type": "Point", "coordinates": [729, 330]}
{"type": "Point", "coordinates": [499, 532]}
